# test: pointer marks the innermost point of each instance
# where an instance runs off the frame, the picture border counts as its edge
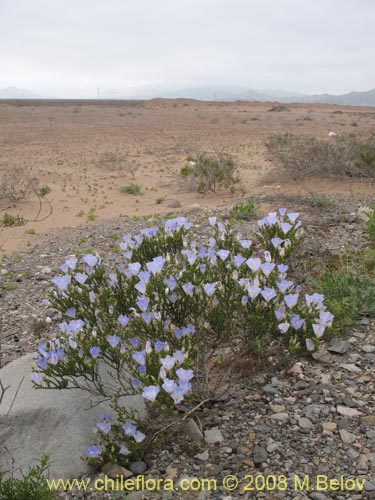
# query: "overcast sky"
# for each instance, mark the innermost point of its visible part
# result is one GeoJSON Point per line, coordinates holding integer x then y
{"type": "Point", "coordinates": [67, 48]}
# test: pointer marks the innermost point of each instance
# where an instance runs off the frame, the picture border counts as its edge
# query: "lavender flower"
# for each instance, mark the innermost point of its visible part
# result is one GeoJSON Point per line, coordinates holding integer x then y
{"type": "Point", "coordinates": [90, 260]}
{"type": "Point", "coordinates": [94, 451]}
{"type": "Point", "coordinates": [94, 351]}
{"type": "Point", "coordinates": [113, 340]}
{"type": "Point", "coordinates": [143, 303]}
{"type": "Point", "coordinates": [150, 392]}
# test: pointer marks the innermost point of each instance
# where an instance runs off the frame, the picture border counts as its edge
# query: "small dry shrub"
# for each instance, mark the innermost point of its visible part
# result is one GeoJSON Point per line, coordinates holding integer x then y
{"type": "Point", "coordinates": [16, 183]}
{"type": "Point", "coordinates": [118, 160]}
{"type": "Point", "coordinates": [347, 155]}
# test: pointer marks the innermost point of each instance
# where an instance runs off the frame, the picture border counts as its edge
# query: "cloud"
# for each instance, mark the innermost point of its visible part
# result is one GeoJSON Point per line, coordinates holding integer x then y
{"type": "Point", "coordinates": [326, 45]}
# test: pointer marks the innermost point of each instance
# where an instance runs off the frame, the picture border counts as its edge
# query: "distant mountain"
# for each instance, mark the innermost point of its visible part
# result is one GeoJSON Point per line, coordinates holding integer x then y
{"type": "Point", "coordinates": [366, 98]}
{"type": "Point", "coordinates": [15, 93]}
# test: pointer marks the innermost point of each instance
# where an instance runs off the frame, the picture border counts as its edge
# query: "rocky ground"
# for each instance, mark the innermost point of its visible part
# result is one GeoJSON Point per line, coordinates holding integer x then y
{"type": "Point", "coordinates": [314, 417]}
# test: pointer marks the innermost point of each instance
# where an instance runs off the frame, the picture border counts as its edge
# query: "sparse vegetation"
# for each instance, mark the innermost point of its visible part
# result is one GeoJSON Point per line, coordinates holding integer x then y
{"type": "Point", "coordinates": [13, 220]}
{"type": "Point", "coordinates": [209, 173]}
{"type": "Point", "coordinates": [118, 160]}
{"type": "Point", "coordinates": [133, 189]}
{"type": "Point", "coordinates": [44, 190]}
{"type": "Point", "coordinates": [245, 210]}
{"type": "Point", "coordinates": [321, 200]}
{"type": "Point", "coordinates": [342, 156]}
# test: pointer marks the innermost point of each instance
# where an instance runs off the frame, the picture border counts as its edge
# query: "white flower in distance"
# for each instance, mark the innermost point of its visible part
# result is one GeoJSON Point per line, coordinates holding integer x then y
{"type": "Point", "coordinates": [156, 265]}
{"type": "Point", "coordinates": [254, 263]}
{"type": "Point", "coordinates": [168, 362]}
{"type": "Point", "coordinates": [210, 288]}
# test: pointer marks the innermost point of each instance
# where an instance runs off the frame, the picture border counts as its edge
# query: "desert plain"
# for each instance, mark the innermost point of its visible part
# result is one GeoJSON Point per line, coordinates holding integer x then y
{"type": "Point", "coordinates": [85, 151]}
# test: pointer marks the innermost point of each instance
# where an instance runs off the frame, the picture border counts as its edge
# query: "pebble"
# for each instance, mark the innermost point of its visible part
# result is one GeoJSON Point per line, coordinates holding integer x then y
{"type": "Point", "coordinates": [348, 412]}
{"type": "Point", "coordinates": [213, 436]}
{"type": "Point", "coordinates": [260, 455]}
{"type": "Point", "coordinates": [347, 437]}
{"type": "Point", "coordinates": [338, 346]}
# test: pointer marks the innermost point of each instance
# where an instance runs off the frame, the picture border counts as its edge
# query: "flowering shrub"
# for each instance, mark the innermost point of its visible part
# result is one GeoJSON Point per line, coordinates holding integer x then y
{"type": "Point", "coordinates": [155, 321]}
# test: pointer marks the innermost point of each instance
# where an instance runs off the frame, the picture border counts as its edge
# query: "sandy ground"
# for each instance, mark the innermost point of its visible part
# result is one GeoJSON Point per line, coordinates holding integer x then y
{"type": "Point", "coordinates": [85, 151]}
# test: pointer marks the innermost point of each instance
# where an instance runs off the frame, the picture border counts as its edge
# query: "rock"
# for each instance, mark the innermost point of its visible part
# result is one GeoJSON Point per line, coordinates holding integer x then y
{"type": "Point", "coordinates": [213, 436]}
{"type": "Point", "coordinates": [114, 470]}
{"type": "Point", "coordinates": [322, 357]}
{"type": "Point", "coordinates": [202, 456]}
{"type": "Point", "coordinates": [174, 204]}
{"type": "Point", "coordinates": [348, 412]}
{"type": "Point", "coordinates": [273, 446]}
{"type": "Point", "coordinates": [351, 368]}
{"type": "Point", "coordinates": [277, 408]}
{"type": "Point", "coordinates": [46, 270]}
{"type": "Point", "coordinates": [269, 389]}
{"type": "Point", "coordinates": [368, 419]}
{"type": "Point", "coordinates": [368, 348]}
{"type": "Point", "coordinates": [192, 431]}
{"type": "Point", "coordinates": [347, 437]}
{"type": "Point", "coordinates": [338, 346]}
{"type": "Point", "coordinates": [305, 423]}
{"type": "Point", "coordinates": [366, 461]}
{"type": "Point", "coordinates": [56, 422]}
{"type": "Point", "coordinates": [280, 416]}
{"type": "Point", "coordinates": [171, 472]}
{"type": "Point", "coordinates": [138, 468]}
{"type": "Point", "coordinates": [318, 496]}
{"type": "Point", "coordinates": [369, 486]}
{"type": "Point", "coordinates": [329, 426]}
{"type": "Point", "coordinates": [260, 455]}
{"type": "Point", "coordinates": [353, 454]}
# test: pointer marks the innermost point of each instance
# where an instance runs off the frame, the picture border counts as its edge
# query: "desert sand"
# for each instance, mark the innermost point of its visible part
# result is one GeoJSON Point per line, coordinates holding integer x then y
{"type": "Point", "coordinates": [86, 150]}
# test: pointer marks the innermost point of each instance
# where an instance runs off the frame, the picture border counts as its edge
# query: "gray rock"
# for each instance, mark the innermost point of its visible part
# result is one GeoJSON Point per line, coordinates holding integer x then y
{"type": "Point", "coordinates": [369, 486]}
{"type": "Point", "coordinates": [138, 468]}
{"type": "Point", "coordinates": [366, 461]}
{"type": "Point", "coordinates": [192, 431]}
{"type": "Point", "coordinates": [318, 496]}
{"type": "Point", "coordinates": [115, 470]}
{"type": "Point", "coordinates": [260, 455]}
{"type": "Point", "coordinates": [56, 422]}
{"type": "Point", "coordinates": [347, 437]}
{"type": "Point", "coordinates": [348, 412]}
{"type": "Point", "coordinates": [305, 423]}
{"type": "Point", "coordinates": [269, 389]}
{"type": "Point", "coordinates": [338, 346]}
{"type": "Point", "coordinates": [213, 436]}
{"type": "Point", "coordinates": [321, 357]}
{"type": "Point", "coordinates": [368, 348]}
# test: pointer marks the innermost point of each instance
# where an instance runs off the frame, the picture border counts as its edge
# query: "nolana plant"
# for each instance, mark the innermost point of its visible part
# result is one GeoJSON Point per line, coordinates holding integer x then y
{"type": "Point", "coordinates": [157, 320]}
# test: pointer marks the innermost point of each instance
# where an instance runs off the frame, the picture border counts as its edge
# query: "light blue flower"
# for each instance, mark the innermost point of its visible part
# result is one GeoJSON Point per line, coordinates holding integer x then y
{"type": "Point", "coordinates": [318, 330]}
{"type": "Point", "coordinates": [134, 268]}
{"type": "Point", "coordinates": [282, 268]}
{"type": "Point", "coordinates": [71, 312]}
{"type": "Point", "coordinates": [283, 327]}
{"type": "Point", "coordinates": [296, 321]}
{"type": "Point", "coordinates": [168, 362]}
{"type": "Point", "coordinates": [129, 428]}
{"type": "Point", "coordinates": [171, 283]}
{"type": "Point", "coordinates": [37, 378]}
{"type": "Point", "coordinates": [179, 356]}
{"type": "Point", "coordinates": [184, 375]}
{"type": "Point", "coordinates": [245, 243]}
{"type": "Point", "coordinates": [212, 221]}
{"type": "Point", "coordinates": [293, 216]}
{"type": "Point", "coordinates": [285, 227]}
{"type": "Point", "coordinates": [94, 351]}
{"type": "Point", "coordinates": [283, 285]}
{"type": "Point", "coordinates": [238, 260]}
{"type": "Point", "coordinates": [113, 340]}
{"type": "Point", "coordinates": [254, 263]}
{"type": "Point", "coordinates": [142, 369]}
{"type": "Point", "coordinates": [291, 300]}
{"type": "Point", "coordinates": [134, 341]}
{"type": "Point", "coordinates": [147, 317]}
{"type": "Point", "coordinates": [138, 436]}
{"type": "Point", "coordinates": [144, 276]}
{"type": "Point", "coordinates": [143, 303]}
{"type": "Point", "coordinates": [123, 319]}
{"type": "Point", "coordinates": [94, 451]}
{"type": "Point", "coordinates": [189, 329]}
{"type": "Point", "coordinates": [141, 287]}
{"type": "Point", "coordinates": [124, 450]}
{"type": "Point", "coordinates": [150, 232]}
{"type": "Point", "coordinates": [188, 288]}
{"type": "Point", "coordinates": [310, 344]}
{"type": "Point", "coordinates": [90, 260]}
{"type": "Point", "coordinates": [104, 427]}
{"type": "Point", "coordinates": [277, 242]}
{"type": "Point", "coordinates": [191, 256]}
{"type": "Point", "coordinates": [81, 278]}
{"type": "Point", "coordinates": [244, 299]}
{"type": "Point", "coordinates": [158, 344]}
{"type": "Point", "coordinates": [53, 358]}
{"type": "Point", "coordinates": [139, 357]}
{"type": "Point", "coordinates": [42, 362]}
{"type": "Point", "coordinates": [282, 211]}
{"type": "Point", "coordinates": [253, 291]}
{"type": "Point", "coordinates": [210, 288]}
{"type": "Point", "coordinates": [156, 265]}
{"type": "Point", "coordinates": [267, 268]}
{"type": "Point", "coordinates": [150, 392]}
{"type": "Point", "coordinates": [280, 313]}
{"type": "Point", "coordinates": [62, 282]}
{"type": "Point", "coordinates": [105, 416]}
{"type": "Point", "coordinates": [223, 254]}
{"type": "Point", "coordinates": [268, 293]}
{"type": "Point", "coordinates": [169, 385]}
{"type": "Point", "coordinates": [173, 297]}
